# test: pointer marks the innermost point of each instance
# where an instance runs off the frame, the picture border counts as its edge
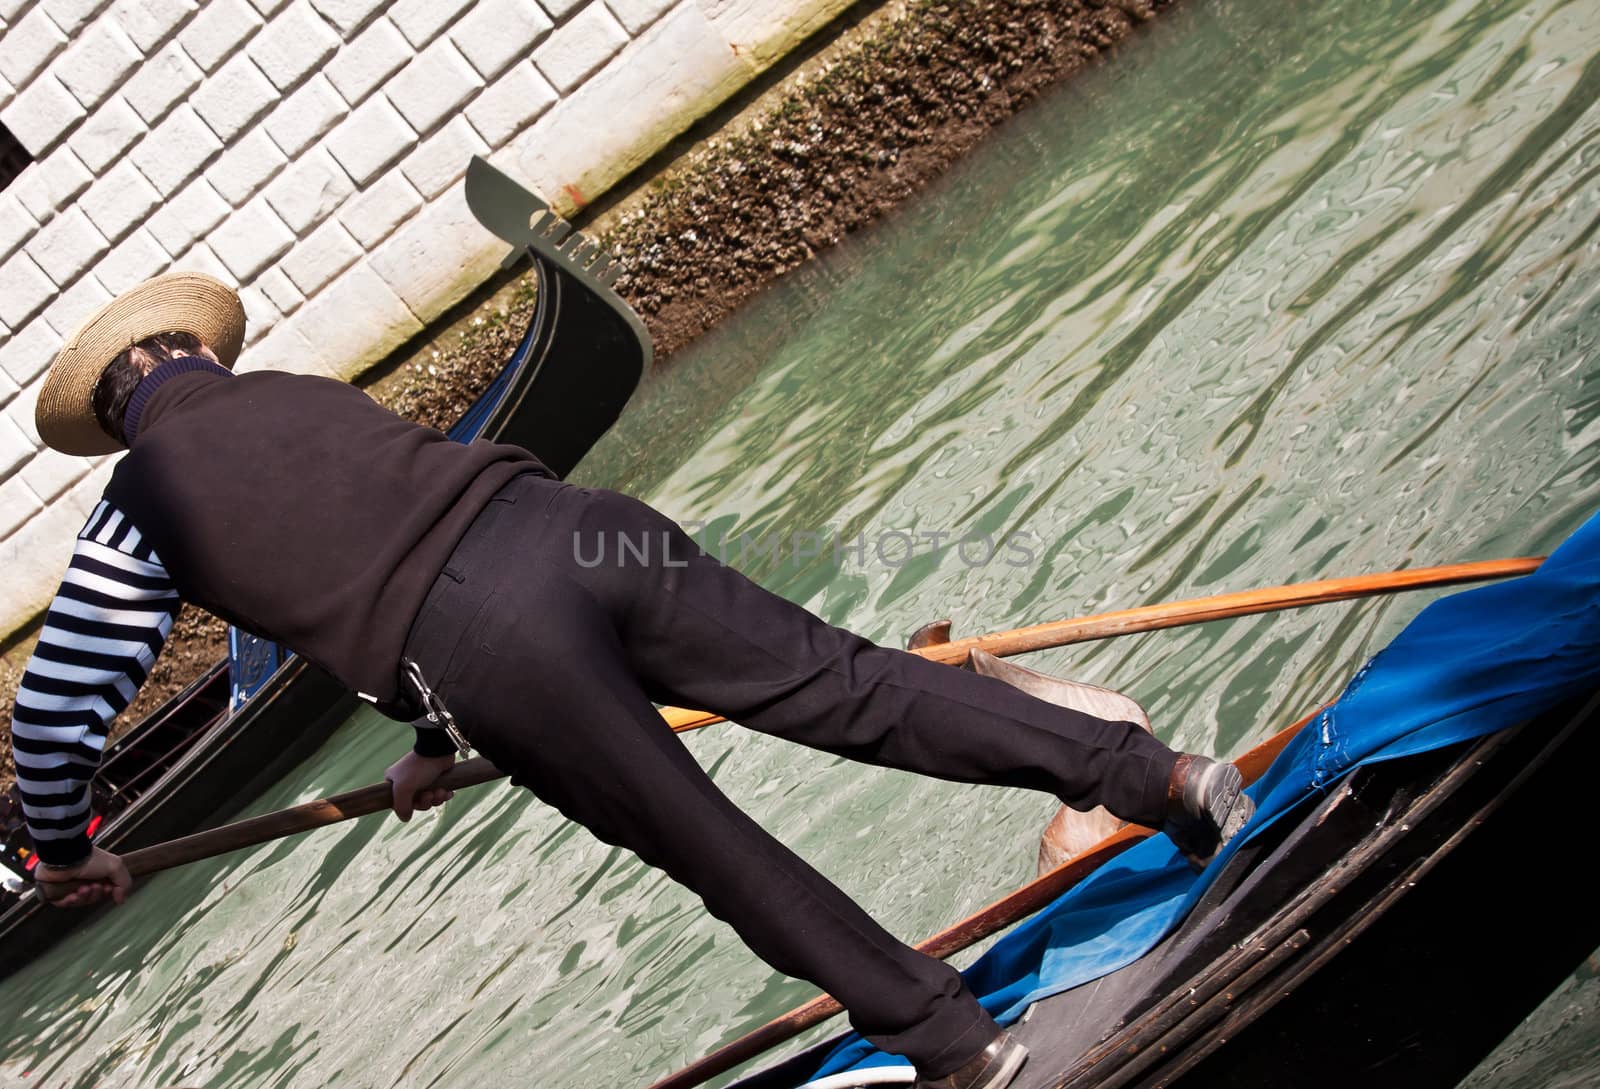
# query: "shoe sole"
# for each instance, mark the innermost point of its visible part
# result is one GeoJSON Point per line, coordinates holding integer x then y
{"type": "Point", "coordinates": [1008, 1069]}
{"type": "Point", "coordinates": [1222, 804]}
{"type": "Point", "coordinates": [1230, 810]}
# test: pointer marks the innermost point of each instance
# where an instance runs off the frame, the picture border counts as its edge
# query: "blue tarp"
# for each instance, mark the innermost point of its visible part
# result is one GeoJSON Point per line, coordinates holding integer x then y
{"type": "Point", "coordinates": [1469, 664]}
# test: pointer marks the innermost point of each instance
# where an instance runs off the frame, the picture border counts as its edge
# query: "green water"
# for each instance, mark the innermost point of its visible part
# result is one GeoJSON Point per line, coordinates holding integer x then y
{"type": "Point", "coordinates": [1287, 291]}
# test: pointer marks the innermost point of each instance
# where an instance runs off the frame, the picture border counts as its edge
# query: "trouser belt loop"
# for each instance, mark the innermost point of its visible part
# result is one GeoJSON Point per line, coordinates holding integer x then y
{"type": "Point", "coordinates": [433, 707]}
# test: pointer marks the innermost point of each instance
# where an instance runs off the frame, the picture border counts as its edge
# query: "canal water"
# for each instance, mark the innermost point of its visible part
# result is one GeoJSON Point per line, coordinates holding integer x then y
{"type": "Point", "coordinates": [1286, 291]}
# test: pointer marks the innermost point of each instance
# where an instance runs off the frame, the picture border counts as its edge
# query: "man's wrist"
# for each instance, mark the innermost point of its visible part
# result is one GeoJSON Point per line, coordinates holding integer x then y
{"type": "Point", "coordinates": [56, 863]}
{"type": "Point", "coordinates": [60, 867]}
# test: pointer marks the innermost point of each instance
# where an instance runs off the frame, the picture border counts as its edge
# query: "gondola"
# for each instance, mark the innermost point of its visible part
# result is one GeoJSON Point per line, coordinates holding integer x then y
{"type": "Point", "coordinates": [1410, 888]}
{"type": "Point", "coordinates": [216, 746]}
{"type": "Point", "coordinates": [1389, 933]}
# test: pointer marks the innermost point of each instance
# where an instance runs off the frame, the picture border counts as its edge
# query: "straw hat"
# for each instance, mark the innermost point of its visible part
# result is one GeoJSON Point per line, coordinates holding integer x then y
{"type": "Point", "coordinates": [176, 302]}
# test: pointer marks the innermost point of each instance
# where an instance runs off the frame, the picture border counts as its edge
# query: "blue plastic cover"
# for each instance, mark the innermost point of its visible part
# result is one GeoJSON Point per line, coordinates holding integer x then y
{"type": "Point", "coordinates": [1469, 664]}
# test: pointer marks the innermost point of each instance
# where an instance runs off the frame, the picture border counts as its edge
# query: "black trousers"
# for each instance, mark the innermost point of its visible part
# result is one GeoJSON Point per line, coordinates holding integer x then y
{"type": "Point", "coordinates": [565, 612]}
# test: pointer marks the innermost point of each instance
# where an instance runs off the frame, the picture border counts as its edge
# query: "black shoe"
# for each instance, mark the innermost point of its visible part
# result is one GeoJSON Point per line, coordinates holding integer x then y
{"type": "Point", "coordinates": [992, 1068]}
{"type": "Point", "coordinates": [1207, 807]}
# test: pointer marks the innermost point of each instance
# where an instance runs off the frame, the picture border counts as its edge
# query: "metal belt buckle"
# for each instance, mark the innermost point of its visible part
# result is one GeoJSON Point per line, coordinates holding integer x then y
{"type": "Point", "coordinates": [434, 709]}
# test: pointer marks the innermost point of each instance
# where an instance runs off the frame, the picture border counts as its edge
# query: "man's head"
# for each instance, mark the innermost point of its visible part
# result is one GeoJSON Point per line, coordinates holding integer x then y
{"type": "Point", "coordinates": [124, 373]}
{"type": "Point", "coordinates": [86, 391]}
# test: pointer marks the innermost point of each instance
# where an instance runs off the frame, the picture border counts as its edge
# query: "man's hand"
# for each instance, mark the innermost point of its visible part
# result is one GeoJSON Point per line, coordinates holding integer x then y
{"type": "Point", "coordinates": [412, 778]}
{"type": "Point", "coordinates": [103, 875]}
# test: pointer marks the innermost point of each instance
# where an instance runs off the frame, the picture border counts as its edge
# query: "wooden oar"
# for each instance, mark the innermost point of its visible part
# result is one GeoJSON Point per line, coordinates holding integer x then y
{"type": "Point", "coordinates": [996, 917]}
{"type": "Point", "coordinates": [373, 799]}
{"type": "Point", "coordinates": [1175, 614]}
{"type": "Point", "coordinates": [283, 822]}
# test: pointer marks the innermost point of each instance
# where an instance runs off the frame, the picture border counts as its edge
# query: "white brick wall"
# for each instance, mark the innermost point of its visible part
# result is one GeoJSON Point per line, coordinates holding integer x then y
{"type": "Point", "coordinates": [310, 152]}
{"type": "Point", "coordinates": [106, 134]}
{"type": "Point", "coordinates": [148, 23]}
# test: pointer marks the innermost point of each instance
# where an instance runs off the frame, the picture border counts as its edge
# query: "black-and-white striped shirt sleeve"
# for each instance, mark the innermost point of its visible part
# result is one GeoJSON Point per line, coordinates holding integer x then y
{"type": "Point", "coordinates": [104, 629]}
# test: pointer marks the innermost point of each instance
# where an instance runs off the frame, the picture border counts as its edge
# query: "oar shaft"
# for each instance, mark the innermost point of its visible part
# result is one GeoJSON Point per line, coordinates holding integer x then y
{"type": "Point", "coordinates": [288, 822]}
{"type": "Point", "coordinates": [1062, 633]}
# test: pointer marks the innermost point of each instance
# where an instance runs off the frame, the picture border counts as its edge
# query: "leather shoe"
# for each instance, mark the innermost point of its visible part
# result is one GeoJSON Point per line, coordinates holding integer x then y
{"type": "Point", "coordinates": [1206, 807]}
{"type": "Point", "coordinates": [991, 1068]}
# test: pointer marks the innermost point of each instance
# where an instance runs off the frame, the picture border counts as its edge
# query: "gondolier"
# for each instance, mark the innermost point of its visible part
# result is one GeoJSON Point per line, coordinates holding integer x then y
{"type": "Point", "coordinates": [456, 586]}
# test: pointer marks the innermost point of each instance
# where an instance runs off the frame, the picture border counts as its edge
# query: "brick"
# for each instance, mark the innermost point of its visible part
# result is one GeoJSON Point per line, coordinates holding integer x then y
{"type": "Point", "coordinates": [355, 322]}
{"type": "Point", "coordinates": [8, 388]}
{"type": "Point", "coordinates": [433, 260]}
{"type": "Point", "coordinates": [636, 15]}
{"type": "Point", "coordinates": [442, 158]}
{"type": "Point", "coordinates": [29, 351]}
{"type": "Point", "coordinates": [284, 348]}
{"type": "Point", "coordinates": [497, 32]}
{"type": "Point", "coordinates": [575, 51]}
{"type": "Point", "coordinates": [349, 16]}
{"type": "Point", "coordinates": [433, 86]}
{"type": "Point", "coordinates": [119, 201]}
{"type": "Point", "coordinates": [175, 150]}
{"type": "Point", "coordinates": [317, 259]}
{"type": "Point", "coordinates": [50, 473]}
{"type": "Point", "coordinates": [41, 114]}
{"type": "Point", "coordinates": [148, 23]}
{"type": "Point", "coordinates": [259, 314]}
{"type": "Point", "coordinates": [279, 290]}
{"type": "Point", "coordinates": [510, 104]}
{"type": "Point", "coordinates": [97, 62]}
{"type": "Point", "coordinates": [218, 31]}
{"type": "Point", "coordinates": [11, 10]}
{"type": "Point", "coordinates": [88, 492]}
{"type": "Point", "coordinates": [185, 217]}
{"type": "Point", "coordinates": [27, 46]}
{"type": "Point", "coordinates": [676, 71]}
{"type": "Point", "coordinates": [293, 45]}
{"type": "Point", "coordinates": [374, 214]}
{"type": "Point", "coordinates": [32, 192]}
{"type": "Point", "coordinates": [15, 449]}
{"type": "Point", "coordinates": [70, 309]}
{"type": "Point", "coordinates": [560, 9]}
{"type": "Point", "coordinates": [61, 178]}
{"type": "Point", "coordinates": [298, 120]}
{"type": "Point", "coordinates": [267, 8]}
{"type": "Point", "coordinates": [163, 80]}
{"type": "Point", "coordinates": [106, 134]}
{"type": "Point", "coordinates": [7, 92]}
{"type": "Point", "coordinates": [250, 239]}
{"type": "Point", "coordinates": [376, 54]}
{"type": "Point", "coordinates": [69, 15]}
{"type": "Point", "coordinates": [241, 170]}
{"type": "Point", "coordinates": [422, 20]}
{"type": "Point", "coordinates": [16, 224]}
{"type": "Point", "coordinates": [202, 258]}
{"type": "Point", "coordinates": [21, 409]}
{"type": "Point", "coordinates": [131, 262]}
{"type": "Point", "coordinates": [34, 555]}
{"type": "Point", "coordinates": [370, 139]}
{"type": "Point", "coordinates": [234, 97]}
{"type": "Point", "coordinates": [66, 246]}
{"type": "Point", "coordinates": [18, 504]}
{"type": "Point", "coordinates": [309, 191]}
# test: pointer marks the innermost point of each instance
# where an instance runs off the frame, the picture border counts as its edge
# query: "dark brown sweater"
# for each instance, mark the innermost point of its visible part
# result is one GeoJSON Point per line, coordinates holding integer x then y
{"type": "Point", "coordinates": [300, 509]}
